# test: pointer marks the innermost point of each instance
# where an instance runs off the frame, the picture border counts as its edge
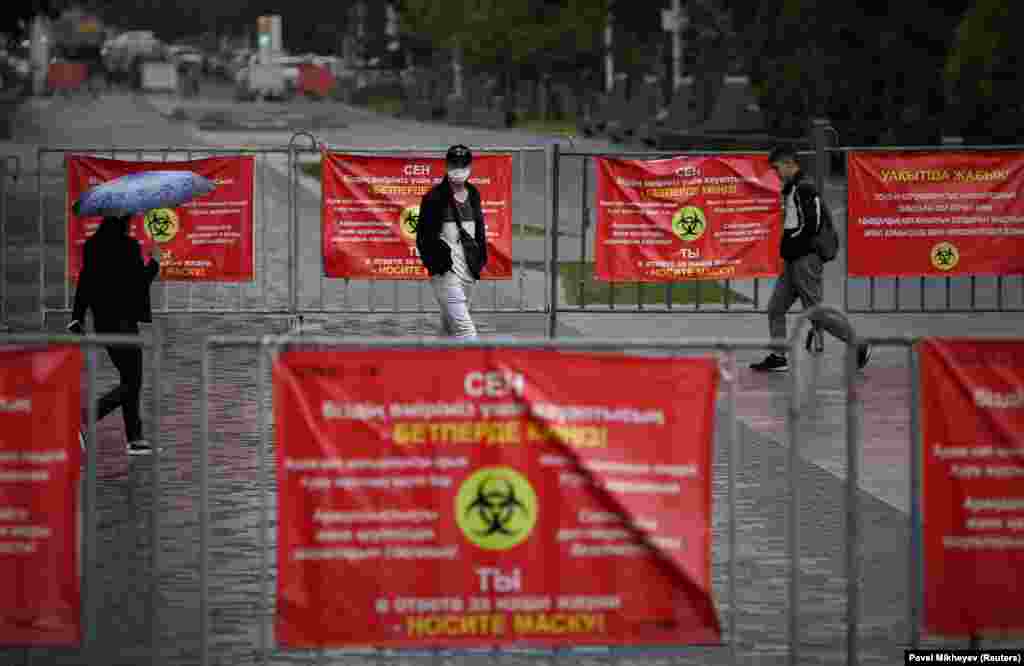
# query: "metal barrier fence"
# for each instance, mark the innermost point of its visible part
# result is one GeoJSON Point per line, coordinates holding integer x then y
{"type": "Point", "coordinates": [290, 278]}
{"type": "Point", "coordinates": [570, 280]}
{"type": "Point", "coordinates": [235, 540]}
{"type": "Point", "coordinates": [744, 296]}
{"type": "Point", "coordinates": [549, 203]}
{"type": "Point", "coordinates": [91, 585]}
{"type": "Point", "coordinates": [268, 346]}
{"type": "Point", "coordinates": [525, 292]}
{"type": "Point", "coordinates": [270, 293]}
{"type": "Point", "coordinates": [963, 294]}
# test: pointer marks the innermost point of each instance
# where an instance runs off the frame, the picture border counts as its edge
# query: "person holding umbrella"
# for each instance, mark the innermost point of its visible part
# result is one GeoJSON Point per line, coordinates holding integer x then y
{"type": "Point", "coordinates": [114, 282]}
{"type": "Point", "coordinates": [114, 286]}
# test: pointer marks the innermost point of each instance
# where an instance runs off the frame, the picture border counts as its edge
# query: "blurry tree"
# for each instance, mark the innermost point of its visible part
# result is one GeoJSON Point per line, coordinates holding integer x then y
{"type": "Point", "coordinates": [982, 73]}
{"type": "Point", "coordinates": [513, 39]}
{"type": "Point", "coordinates": [872, 67]}
{"type": "Point", "coordinates": [501, 33]}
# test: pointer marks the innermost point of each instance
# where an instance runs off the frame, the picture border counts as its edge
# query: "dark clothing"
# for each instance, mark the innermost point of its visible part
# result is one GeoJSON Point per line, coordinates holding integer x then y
{"type": "Point", "coordinates": [801, 206]}
{"type": "Point", "coordinates": [438, 205]}
{"type": "Point", "coordinates": [128, 361]}
{"type": "Point", "coordinates": [801, 279]}
{"type": "Point", "coordinates": [114, 286]}
{"type": "Point", "coordinates": [802, 269]}
{"type": "Point", "coordinates": [114, 283]}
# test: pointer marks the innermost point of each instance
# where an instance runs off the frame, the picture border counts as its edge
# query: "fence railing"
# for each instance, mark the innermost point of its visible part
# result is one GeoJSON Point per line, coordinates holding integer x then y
{"type": "Point", "coordinates": [91, 586]}
{"type": "Point", "coordinates": [552, 205]}
{"type": "Point", "coordinates": [525, 292]}
{"type": "Point", "coordinates": [953, 295]}
{"type": "Point", "coordinates": [256, 535]}
{"type": "Point", "coordinates": [269, 293]}
{"type": "Point", "coordinates": [268, 346]}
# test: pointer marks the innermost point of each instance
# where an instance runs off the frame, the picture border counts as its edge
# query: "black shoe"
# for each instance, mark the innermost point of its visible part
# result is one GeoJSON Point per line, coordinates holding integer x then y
{"type": "Point", "coordinates": [863, 355]}
{"type": "Point", "coordinates": [81, 439]}
{"type": "Point", "coordinates": [140, 447]}
{"type": "Point", "coordinates": [771, 363]}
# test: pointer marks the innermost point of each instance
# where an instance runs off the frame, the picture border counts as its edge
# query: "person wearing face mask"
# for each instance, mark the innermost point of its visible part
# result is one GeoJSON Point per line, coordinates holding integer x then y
{"type": "Point", "coordinates": [452, 242]}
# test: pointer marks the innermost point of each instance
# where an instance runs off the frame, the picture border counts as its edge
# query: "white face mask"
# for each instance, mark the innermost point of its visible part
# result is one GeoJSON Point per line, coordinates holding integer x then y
{"type": "Point", "coordinates": [458, 176]}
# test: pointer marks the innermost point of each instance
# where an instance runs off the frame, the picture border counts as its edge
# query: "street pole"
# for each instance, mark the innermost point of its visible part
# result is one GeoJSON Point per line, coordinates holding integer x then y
{"type": "Point", "coordinates": [609, 63]}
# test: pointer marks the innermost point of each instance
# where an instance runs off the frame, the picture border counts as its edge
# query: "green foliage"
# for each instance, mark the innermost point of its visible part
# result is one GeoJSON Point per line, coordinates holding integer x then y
{"type": "Point", "coordinates": [709, 293]}
{"type": "Point", "coordinates": [872, 67]}
{"type": "Point", "coordinates": [983, 69]}
{"type": "Point", "coordinates": [504, 33]}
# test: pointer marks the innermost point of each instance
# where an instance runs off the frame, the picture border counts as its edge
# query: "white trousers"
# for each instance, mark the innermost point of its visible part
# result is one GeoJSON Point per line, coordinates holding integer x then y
{"type": "Point", "coordinates": [453, 295]}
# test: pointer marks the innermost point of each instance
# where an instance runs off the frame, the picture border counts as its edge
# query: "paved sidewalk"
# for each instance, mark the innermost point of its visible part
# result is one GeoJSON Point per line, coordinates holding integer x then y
{"type": "Point", "coordinates": [125, 499]}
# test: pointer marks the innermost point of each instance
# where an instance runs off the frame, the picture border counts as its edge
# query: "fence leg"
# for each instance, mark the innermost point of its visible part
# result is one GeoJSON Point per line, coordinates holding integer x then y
{"type": "Point", "coordinates": [553, 230]}
{"type": "Point", "coordinates": [816, 315]}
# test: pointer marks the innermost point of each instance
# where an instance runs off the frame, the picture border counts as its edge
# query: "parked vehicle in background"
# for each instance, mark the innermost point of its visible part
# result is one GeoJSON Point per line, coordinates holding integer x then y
{"type": "Point", "coordinates": [127, 52]}
{"type": "Point", "coordinates": [278, 79]}
{"type": "Point", "coordinates": [290, 69]}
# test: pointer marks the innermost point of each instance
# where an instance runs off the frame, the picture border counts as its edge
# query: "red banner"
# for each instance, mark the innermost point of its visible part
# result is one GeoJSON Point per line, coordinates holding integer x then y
{"type": "Point", "coordinates": [66, 75]}
{"type": "Point", "coordinates": [316, 80]}
{"type": "Point", "coordinates": [972, 408]}
{"type": "Point", "coordinates": [39, 473]}
{"type": "Point", "coordinates": [939, 213]}
{"type": "Point", "coordinates": [489, 497]}
{"type": "Point", "coordinates": [209, 239]}
{"type": "Point", "coordinates": [371, 208]}
{"type": "Point", "coordinates": [687, 218]}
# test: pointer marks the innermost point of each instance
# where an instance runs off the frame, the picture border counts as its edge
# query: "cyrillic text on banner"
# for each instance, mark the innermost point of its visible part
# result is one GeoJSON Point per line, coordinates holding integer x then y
{"type": "Point", "coordinates": [687, 218]}
{"type": "Point", "coordinates": [935, 213]}
{"type": "Point", "coordinates": [370, 211]}
{"type": "Point", "coordinates": [972, 404]}
{"type": "Point", "coordinates": [490, 498]}
{"type": "Point", "coordinates": [39, 473]}
{"type": "Point", "coordinates": [209, 239]}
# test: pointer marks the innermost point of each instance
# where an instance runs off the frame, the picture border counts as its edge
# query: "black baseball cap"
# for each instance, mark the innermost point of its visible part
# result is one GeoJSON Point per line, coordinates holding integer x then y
{"type": "Point", "coordinates": [458, 156]}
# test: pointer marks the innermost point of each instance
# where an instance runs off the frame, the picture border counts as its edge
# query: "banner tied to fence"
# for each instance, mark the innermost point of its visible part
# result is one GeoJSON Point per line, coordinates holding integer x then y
{"type": "Point", "coordinates": [371, 206]}
{"type": "Point", "coordinates": [687, 218]}
{"type": "Point", "coordinates": [972, 407]}
{"type": "Point", "coordinates": [490, 498]}
{"type": "Point", "coordinates": [209, 239]}
{"type": "Point", "coordinates": [935, 213]}
{"type": "Point", "coordinates": [39, 473]}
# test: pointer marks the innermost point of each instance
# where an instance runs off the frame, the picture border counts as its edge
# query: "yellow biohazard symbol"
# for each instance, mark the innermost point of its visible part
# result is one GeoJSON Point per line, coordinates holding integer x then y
{"type": "Point", "coordinates": [408, 221]}
{"type": "Point", "coordinates": [496, 508]}
{"type": "Point", "coordinates": [161, 224]}
{"type": "Point", "coordinates": [945, 256]}
{"type": "Point", "coordinates": [689, 223]}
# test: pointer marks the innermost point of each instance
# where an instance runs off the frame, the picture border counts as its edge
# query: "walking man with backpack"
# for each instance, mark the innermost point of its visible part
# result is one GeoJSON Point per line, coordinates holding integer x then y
{"type": "Point", "coordinates": [808, 241]}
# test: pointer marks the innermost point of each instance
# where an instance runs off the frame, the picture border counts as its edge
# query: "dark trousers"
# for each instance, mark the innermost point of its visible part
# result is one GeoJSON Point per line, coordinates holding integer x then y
{"type": "Point", "coordinates": [128, 361]}
{"type": "Point", "coordinates": [800, 279]}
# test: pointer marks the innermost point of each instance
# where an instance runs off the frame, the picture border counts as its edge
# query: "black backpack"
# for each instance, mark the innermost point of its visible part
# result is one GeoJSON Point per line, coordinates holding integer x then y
{"type": "Point", "coordinates": [826, 241]}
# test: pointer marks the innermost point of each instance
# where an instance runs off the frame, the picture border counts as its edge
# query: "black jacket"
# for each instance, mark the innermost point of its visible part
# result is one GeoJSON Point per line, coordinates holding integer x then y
{"type": "Point", "coordinates": [806, 203]}
{"type": "Point", "coordinates": [114, 283]}
{"type": "Point", "coordinates": [434, 252]}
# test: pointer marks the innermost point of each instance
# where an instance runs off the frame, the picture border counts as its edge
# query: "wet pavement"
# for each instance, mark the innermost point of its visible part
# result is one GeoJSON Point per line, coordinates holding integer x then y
{"type": "Point", "coordinates": [123, 578]}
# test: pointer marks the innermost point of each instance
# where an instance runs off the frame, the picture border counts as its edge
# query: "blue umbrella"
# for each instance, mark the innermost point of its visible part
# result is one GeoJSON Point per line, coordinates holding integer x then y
{"type": "Point", "coordinates": [138, 192]}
